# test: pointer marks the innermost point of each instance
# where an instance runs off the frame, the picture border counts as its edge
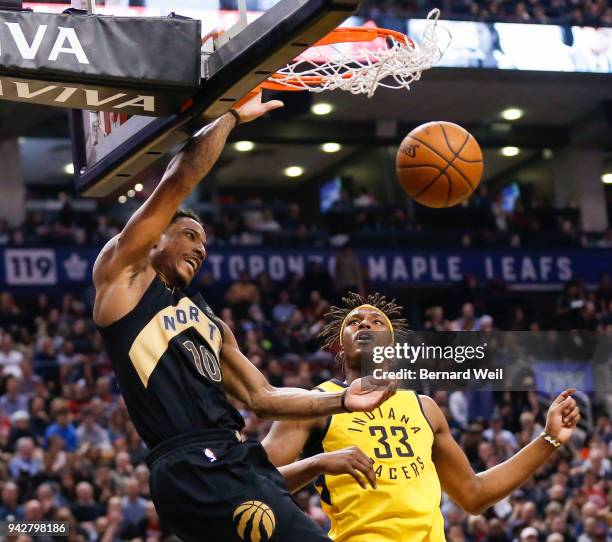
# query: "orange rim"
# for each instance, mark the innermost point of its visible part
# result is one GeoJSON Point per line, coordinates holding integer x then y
{"type": "Point", "coordinates": [346, 34]}
{"type": "Point", "coordinates": [352, 34]}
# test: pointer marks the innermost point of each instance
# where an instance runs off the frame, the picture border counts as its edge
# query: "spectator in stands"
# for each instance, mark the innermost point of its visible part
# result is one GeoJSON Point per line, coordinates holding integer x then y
{"type": "Point", "coordinates": [348, 275]}
{"type": "Point", "coordinates": [91, 433]}
{"type": "Point", "coordinates": [529, 428]}
{"type": "Point", "coordinates": [20, 428]}
{"type": "Point", "coordinates": [24, 462]}
{"type": "Point", "coordinates": [85, 508]}
{"type": "Point", "coordinates": [46, 360]}
{"type": "Point", "coordinates": [115, 526]}
{"type": "Point", "coordinates": [29, 382]}
{"type": "Point", "coordinates": [39, 419]}
{"type": "Point", "coordinates": [10, 317]}
{"type": "Point", "coordinates": [242, 294]}
{"type": "Point", "coordinates": [496, 431]}
{"type": "Point", "coordinates": [62, 427]}
{"type": "Point", "coordinates": [10, 358]}
{"type": "Point", "coordinates": [123, 468]}
{"type": "Point", "coordinates": [10, 499]}
{"type": "Point", "coordinates": [467, 321]}
{"type": "Point", "coordinates": [150, 528]}
{"type": "Point", "coordinates": [284, 309]}
{"type": "Point", "coordinates": [268, 224]}
{"type": "Point", "coordinates": [45, 495]}
{"type": "Point", "coordinates": [134, 506]}
{"type": "Point", "coordinates": [12, 402]}
{"type": "Point", "coordinates": [435, 320]}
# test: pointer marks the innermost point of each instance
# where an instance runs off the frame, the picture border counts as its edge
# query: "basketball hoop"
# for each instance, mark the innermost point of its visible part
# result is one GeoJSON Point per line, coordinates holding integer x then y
{"type": "Point", "coordinates": [361, 59]}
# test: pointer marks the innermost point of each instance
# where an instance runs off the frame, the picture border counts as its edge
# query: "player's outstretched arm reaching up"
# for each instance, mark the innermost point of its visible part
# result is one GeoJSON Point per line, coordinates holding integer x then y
{"type": "Point", "coordinates": [122, 260]}
{"type": "Point", "coordinates": [150, 245]}
{"type": "Point", "coordinates": [477, 492]}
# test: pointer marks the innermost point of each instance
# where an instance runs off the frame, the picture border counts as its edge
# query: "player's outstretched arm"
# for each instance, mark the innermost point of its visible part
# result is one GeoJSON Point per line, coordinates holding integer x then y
{"type": "Point", "coordinates": [245, 382]}
{"type": "Point", "coordinates": [182, 175]}
{"type": "Point", "coordinates": [477, 492]}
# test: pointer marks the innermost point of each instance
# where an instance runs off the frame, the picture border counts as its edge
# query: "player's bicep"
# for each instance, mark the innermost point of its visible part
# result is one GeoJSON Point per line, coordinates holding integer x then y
{"type": "Point", "coordinates": [285, 441]}
{"type": "Point", "coordinates": [453, 468]}
{"type": "Point", "coordinates": [241, 378]}
{"type": "Point", "coordinates": [148, 223]}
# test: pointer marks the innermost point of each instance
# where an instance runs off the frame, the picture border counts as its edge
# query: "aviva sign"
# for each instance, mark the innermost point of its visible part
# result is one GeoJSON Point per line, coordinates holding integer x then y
{"type": "Point", "coordinates": [98, 62]}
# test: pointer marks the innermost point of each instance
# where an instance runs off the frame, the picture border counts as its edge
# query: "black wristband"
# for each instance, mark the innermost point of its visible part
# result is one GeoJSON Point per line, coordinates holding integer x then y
{"type": "Point", "coordinates": [236, 115]}
{"type": "Point", "coordinates": [343, 402]}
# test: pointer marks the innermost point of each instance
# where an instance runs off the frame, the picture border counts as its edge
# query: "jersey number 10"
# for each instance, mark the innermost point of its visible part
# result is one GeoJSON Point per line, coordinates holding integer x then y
{"type": "Point", "coordinates": [204, 361]}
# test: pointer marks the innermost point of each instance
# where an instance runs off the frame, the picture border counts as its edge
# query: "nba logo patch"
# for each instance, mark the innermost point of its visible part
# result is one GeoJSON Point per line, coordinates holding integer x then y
{"type": "Point", "coordinates": [210, 455]}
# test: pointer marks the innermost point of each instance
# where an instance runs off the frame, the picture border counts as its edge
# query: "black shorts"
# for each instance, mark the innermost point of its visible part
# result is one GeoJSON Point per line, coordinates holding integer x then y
{"type": "Point", "coordinates": [209, 487]}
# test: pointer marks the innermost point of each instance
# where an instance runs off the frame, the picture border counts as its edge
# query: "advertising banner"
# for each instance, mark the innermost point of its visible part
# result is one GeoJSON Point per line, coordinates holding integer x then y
{"type": "Point", "coordinates": [98, 62]}
{"type": "Point", "coordinates": [42, 266]}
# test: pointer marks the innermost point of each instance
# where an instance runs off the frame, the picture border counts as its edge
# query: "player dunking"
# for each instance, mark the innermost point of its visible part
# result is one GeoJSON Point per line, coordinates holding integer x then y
{"type": "Point", "coordinates": [404, 448]}
{"type": "Point", "coordinates": [175, 360]}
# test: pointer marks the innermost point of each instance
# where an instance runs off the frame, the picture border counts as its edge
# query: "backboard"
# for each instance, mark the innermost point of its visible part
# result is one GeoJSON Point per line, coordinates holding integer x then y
{"type": "Point", "coordinates": [111, 150]}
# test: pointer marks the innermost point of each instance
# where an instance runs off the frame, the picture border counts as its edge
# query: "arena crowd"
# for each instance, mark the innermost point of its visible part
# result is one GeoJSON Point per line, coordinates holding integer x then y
{"type": "Point", "coordinates": [70, 452]}
{"type": "Point", "coordinates": [484, 220]}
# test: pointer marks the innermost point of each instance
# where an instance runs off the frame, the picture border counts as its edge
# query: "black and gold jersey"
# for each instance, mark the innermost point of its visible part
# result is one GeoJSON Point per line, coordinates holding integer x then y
{"type": "Point", "coordinates": [165, 353]}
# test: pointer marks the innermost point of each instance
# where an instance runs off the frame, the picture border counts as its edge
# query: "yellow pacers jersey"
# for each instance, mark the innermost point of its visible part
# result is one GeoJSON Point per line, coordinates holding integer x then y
{"type": "Point", "coordinates": [406, 505]}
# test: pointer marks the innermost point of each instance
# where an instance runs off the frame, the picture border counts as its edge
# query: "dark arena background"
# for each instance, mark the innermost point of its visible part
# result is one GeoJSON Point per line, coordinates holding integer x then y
{"type": "Point", "coordinates": [303, 207]}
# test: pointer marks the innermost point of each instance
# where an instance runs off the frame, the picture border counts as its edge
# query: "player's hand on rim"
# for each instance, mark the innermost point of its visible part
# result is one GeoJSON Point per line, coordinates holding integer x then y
{"type": "Point", "coordinates": [563, 416]}
{"type": "Point", "coordinates": [367, 393]}
{"type": "Point", "coordinates": [351, 461]}
{"type": "Point", "coordinates": [253, 108]}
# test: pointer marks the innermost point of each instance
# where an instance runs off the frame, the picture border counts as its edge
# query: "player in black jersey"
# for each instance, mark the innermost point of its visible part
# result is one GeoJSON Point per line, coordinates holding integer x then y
{"type": "Point", "coordinates": [175, 361]}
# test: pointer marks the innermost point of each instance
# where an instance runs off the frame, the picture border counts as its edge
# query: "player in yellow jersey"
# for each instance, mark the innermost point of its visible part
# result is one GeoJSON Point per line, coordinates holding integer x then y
{"type": "Point", "coordinates": [404, 448]}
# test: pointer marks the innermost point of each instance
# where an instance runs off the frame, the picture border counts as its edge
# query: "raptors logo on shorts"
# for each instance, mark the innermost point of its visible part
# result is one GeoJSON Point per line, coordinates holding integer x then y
{"type": "Point", "coordinates": [254, 521]}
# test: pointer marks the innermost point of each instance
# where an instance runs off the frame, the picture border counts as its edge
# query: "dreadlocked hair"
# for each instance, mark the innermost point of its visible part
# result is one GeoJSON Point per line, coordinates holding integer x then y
{"type": "Point", "coordinates": [336, 315]}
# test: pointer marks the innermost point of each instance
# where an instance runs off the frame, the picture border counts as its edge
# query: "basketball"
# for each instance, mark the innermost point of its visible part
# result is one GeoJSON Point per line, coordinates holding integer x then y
{"type": "Point", "coordinates": [439, 164]}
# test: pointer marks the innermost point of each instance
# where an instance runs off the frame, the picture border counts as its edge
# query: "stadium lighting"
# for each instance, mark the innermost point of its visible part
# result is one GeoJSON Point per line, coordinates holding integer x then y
{"type": "Point", "coordinates": [606, 178]}
{"type": "Point", "coordinates": [510, 151]}
{"type": "Point", "coordinates": [131, 193]}
{"type": "Point", "coordinates": [138, 187]}
{"type": "Point", "coordinates": [69, 169]}
{"type": "Point", "coordinates": [122, 199]}
{"type": "Point", "coordinates": [294, 171]}
{"type": "Point", "coordinates": [331, 147]}
{"type": "Point", "coordinates": [244, 146]}
{"type": "Point", "coordinates": [512, 113]}
{"type": "Point", "coordinates": [322, 108]}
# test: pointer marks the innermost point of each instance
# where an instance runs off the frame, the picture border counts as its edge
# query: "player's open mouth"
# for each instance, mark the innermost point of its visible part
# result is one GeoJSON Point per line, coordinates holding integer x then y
{"type": "Point", "coordinates": [363, 337]}
{"type": "Point", "coordinates": [193, 262]}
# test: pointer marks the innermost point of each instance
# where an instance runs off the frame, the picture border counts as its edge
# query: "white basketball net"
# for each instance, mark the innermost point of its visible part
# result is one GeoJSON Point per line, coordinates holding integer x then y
{"type": "Point", "coordinates": [360, 68]}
